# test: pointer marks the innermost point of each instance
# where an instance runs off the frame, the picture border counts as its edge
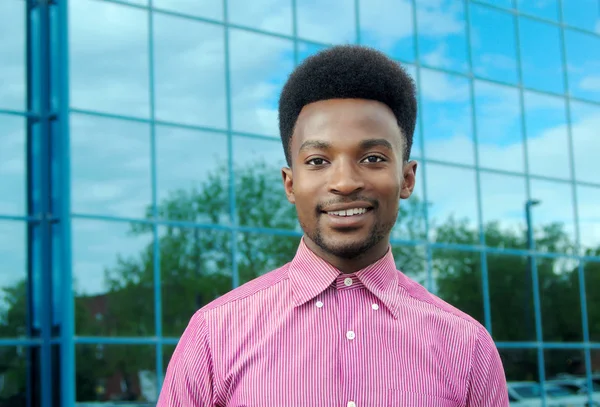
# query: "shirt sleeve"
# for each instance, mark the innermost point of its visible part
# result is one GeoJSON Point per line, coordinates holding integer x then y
{"type": "Point", "coordinates": [488, 381]}
{"type": "Point", "coordinates": [189, 377]}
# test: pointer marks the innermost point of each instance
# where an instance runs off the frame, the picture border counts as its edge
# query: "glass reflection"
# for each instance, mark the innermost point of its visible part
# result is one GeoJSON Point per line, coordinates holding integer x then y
{"type": "Point", "coordinates": [13, 165]}
{"type": "Point", "coordinates": [260, 196]}
{"type": "Point", "coordinates": [13, 51]}
{"type": "Point", "coordinates": [493, 44]}
{"type": "Point", "coordinates": [326, 21]}
{"type": "Point", "coordinates": [511, 277]}
{"type": "Point", "coordinates": [388, 26]}
{"type": "Point", "coordinates": [560, 299]}
{"type": "Point", "coordinates": [259, 67]}
{"type": "Point", "coordinates": [547, 136]}
{"type": "Point", "coordinates": [168, 351]}
{"type": "Point", "coordinates": [441, 28]}
{"type": "Point", "coordinates": [13, 279]}
{"type": "Point", "coordinates": [110, 164]}
{"type": "Point", "coordinates": [410, 223]}
{"type": "Point", "coordinates": [267, 15]}
{"type": "Point", "coordinates": [112, 75]}
{"type": "Point", "coordinates": [411, 261]}
{"type": "Point", "coordinates": [582, 14]}
{"type": "Point", "coordinates": [541, 58]}
{"type": "Point", "coordinates": [499, 127]}
{"type": "Point", "coordinates": [446, 117]}
{"type": "Point", "coordinates": [307, 49]}
{"type": "Point", "coordinates": [14, 390]}
{"type": "Point", "coordinates": [457, 280]}
{"type": "Point", "coordinates": [522, 376]}
{"type": "Point", "coordinates": [195, 268]}
{"type": "Point", "coordinates": [113, 271]}
{"type": "Point", "coordinates": [564, 363]}
{"type": "Point", "coordinates": [115, 373]}
{"type": "Point", "coordinates": [503, 205]}
{"type": "Point", "coordinates": [592, 291]}
{"type": "Point", "coordinates": [547, 9]}
{"type": "Point", "coordinates": [553, 217]}
{"type": "Point", "coordinates": [585, 122]}
{"type": "Point", "coordinates": [588, 199]}
{"type": "Point", "coordinates": [583, 64]}
{"type": "Point", "coordinates": [189, 74]}
{"type": "Point", "coordinates": [452, 204]}
{"type": "Point", "coordinates": [261, 253]}
{"type": "Point", "coordinates": [192, 176]}
{"type": "Point", "coordinates": [212, 9]}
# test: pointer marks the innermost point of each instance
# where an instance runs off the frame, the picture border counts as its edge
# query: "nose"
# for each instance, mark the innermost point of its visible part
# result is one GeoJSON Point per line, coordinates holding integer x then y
{"type": "Point", "coordinates": [345, 178]}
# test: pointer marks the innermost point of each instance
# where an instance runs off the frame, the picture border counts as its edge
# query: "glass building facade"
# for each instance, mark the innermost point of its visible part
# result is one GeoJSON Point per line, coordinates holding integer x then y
{"type": "Point", "coordinates": [140, 177]}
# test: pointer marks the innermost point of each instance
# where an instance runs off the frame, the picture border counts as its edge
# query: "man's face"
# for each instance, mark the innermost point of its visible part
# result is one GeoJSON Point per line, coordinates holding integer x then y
{"type": "Point", "coordinates": [347, 175]}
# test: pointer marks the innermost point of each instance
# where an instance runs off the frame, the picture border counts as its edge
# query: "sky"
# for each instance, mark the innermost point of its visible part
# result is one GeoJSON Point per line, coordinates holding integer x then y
{"type": "Point", "coordinates": [111, 158]}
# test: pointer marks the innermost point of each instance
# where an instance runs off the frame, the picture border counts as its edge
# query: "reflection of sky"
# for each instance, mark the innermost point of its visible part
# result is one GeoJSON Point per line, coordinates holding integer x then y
{"type": "Point", "coordinates": [110, 73]}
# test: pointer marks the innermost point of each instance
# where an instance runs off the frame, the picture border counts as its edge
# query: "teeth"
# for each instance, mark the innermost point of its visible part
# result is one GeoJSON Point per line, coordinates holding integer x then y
{"type": "Point", "coordinates": [349, 212]}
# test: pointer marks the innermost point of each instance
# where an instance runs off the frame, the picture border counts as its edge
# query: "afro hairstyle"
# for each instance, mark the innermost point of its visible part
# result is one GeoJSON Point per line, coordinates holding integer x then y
{"type": "Point", "coordinates": [348, 71]}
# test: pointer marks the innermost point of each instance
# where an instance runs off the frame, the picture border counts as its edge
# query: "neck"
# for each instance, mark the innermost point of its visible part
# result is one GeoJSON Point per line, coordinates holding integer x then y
{"type": "Point", "coordinates": [350, 265]}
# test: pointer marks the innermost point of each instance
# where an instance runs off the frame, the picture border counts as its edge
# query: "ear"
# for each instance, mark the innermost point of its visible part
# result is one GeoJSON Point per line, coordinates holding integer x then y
{"type": "Point", "coordinates": [288, 184]}
{"type": "Point", "coordinates": [409, 172]}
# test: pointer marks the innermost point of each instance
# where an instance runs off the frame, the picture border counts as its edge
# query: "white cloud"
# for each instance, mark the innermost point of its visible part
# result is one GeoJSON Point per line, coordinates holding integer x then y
{"type": "Point", "coordinates": [590, 83]}
{"type": "Point", "coordinates": [12, 49]}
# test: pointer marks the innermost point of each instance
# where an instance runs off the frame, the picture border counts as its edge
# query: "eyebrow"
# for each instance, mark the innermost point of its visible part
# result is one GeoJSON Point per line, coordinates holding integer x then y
{"type": "Point", "coordinates": [315, 144]}
{"type": "Point", "coordinates": [364, 145]}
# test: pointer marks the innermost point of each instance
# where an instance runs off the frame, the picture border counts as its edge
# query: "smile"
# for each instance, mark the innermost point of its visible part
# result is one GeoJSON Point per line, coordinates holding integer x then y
{"type": "Point", "coordinates": [348, 212]}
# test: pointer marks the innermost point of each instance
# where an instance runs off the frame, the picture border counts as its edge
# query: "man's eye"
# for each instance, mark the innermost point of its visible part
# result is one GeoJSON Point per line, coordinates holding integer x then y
{"type": "Point", "coordinates": [374, 159]}
{"type": "Point", "coordinates": [316, 161]}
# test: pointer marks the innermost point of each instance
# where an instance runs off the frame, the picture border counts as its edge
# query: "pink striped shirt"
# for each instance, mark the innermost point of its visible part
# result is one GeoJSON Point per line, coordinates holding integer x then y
{"type": "Point", "coordinates": [307, 335]}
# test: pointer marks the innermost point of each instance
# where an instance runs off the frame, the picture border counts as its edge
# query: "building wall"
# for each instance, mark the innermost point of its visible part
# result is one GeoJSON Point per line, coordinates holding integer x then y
{"type": "Point", "coordinates": [164, 163]}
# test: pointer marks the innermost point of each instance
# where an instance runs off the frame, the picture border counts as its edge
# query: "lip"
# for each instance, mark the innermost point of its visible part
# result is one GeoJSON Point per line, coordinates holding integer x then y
{"type": "Point", "coordinates": [348, 222]}
{"type": "Point", "coordinates": [352, 205]}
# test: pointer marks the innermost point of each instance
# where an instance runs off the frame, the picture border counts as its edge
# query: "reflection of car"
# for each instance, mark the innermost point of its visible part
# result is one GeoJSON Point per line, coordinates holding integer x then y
{"type": "Point", "coordinates": [529, 394]}
{"type": "Point", "coordinates": [578, 385]}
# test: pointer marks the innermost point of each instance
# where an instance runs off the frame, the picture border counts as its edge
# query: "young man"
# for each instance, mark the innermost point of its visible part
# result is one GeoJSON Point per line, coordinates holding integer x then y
{"type": "Point", "coordinates": [339, 325]}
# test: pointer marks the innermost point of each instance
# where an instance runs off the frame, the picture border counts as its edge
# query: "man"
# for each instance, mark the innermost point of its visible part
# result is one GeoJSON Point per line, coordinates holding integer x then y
{"type": "Point", "coordinates": [339, 325]}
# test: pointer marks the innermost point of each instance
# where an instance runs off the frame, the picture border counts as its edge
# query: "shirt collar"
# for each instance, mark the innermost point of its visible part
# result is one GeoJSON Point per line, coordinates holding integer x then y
{"type": "Point", "coordinates": [310, 275]}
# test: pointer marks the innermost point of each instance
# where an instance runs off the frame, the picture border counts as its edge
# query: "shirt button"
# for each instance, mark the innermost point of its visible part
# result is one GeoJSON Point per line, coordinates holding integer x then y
{"type": "Point", "coordinates": [375, 307]}
{"type": "Point", "coordinates": [351, 404]}
{"type": "Point", "coordinates": [350, 335]}
{"type": "Point", "coordinates": [348, 282]}
{"type": "Point", "coordinates": [319, 304]}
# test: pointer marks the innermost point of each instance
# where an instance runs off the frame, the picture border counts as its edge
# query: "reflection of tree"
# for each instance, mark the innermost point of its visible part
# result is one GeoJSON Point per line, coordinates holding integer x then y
{"type": "Point", "coordinates": [196, 267]}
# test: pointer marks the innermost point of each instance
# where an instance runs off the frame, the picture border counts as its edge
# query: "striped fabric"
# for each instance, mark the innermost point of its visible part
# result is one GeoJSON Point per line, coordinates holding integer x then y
{"type": "Point", "coordinates": [307, 335]}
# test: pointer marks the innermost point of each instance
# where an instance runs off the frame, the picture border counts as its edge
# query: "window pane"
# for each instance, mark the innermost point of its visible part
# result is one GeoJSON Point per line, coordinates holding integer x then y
{"type": "Point", "coordinates": [195, 268]}
{"type": "Point", "coordinates": [561, 362]}
{"type": "Point", "coordinates": [410, 224]}
{"type": "Point", "coordinates": [592, 292]}
{"type": "Point", "coordinates": [267, 15]}
{"type": "Point", "coordinates": [315, 21]}
{"type": "Point", "coordinates": [500, 3]}
{"type": "Point", "coordinates": [522, 374]}
{"type": "Point", "coordinates": [588, 199]}
{"type": "Point", "coordinates": [510, 277]}
{"type": "Point", "coordinates": [306, 50]}
{"type": "Point", "coordinates": [113, 272]}
{"type": "Point", "coordinates": [412, 261]}
{"type": "Point", "coordinates": [583, 62]}
{"type": "Point", "coordinates": [553, 219]}
{"type": "Point", "coordinates": [582, 14]}
{"type": "Point", "coordinates": [189, 74]}
{"type": "Point", "coordinates": [452, 204]}
{"type": "Point", "coordinates": [585, 122]}
{"type": "Point", "coordinates": [446, 111]}
{"type": "Point", "coordinates": [13, 165]}
{"type": "Point", "coordinates": [192, 175]}
{"type": "Point", "coordinates": [206, 8]}
{"type": "Point", "coordinates": [13, 279]}
{"type": "Point", "coordinates": [545, 9]}
{"type": "Point", "coordinates": [261, 253]}
{"type": "Point", "coordinates": [108, 46]}
{"type": "Point", "coordinates": [168, 351]}
{"type": "Point", "coordinates": [260, 195]}
{"type": "Point", "coordinates": [14, 361]}
{"type": "Point", "coordinates": [547, 136]}
{"type": "Point", "coordinates": [499, 127]}
{"type": "Point", "coordinates": [260, 66]}
{"type": "Point", "coordinates": [12, 49]}
{"type": "Point", "coordinates": [110, 164]}
{"type": "Point", "coordinates": [493, 44]}
{"type": "Point", "coordinates": [560, 299]}
{"type": "Point", "coordinates": [457, 280]}
{"type": "Point", "coordinates": [503, 206]}
{"type": "Point", "coordinates": [388, 26]}
{"type": "Point", "coordinates": [112, 373]}
{"type": "Point", "coordinates": [442, 34]}
{"type": "Point", "coordinates": [541, 57]}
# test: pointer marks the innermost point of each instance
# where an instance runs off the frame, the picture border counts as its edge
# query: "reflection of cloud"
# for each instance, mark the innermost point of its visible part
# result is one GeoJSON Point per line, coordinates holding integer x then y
{"type": "Point", "coordinates": [12, 165]}
{"type": "Point", "coordinates": [13, 255]}
{"type": "Point", "coordinates": [12, 49]}
{"type": "Point", "coordinates": [591, 83]}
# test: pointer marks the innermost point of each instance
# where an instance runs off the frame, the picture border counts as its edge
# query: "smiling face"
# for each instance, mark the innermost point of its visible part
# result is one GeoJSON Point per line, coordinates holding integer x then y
{"type": "Point", "coordinates": [347, 178]}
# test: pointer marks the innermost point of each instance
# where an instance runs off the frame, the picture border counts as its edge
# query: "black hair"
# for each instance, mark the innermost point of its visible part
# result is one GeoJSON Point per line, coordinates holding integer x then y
{"type": "Point", "coordinates": [348, 71]}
